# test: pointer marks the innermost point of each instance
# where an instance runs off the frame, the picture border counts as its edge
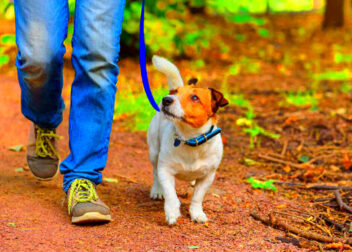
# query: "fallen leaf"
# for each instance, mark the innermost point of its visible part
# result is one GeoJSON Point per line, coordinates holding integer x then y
{"type": "Point", "coordinates": [266, 185]}
{"type": "Point", "coordinates": [111, 180]}
{"type": "Point", "coordinates": [11, 224]}
{"type": "Point", "coordinates": [303, 159]}
{"type": "Point", "coordinates": [16, 148]}
{"type": "Point", "coordinates": [19, 169]}
{"type": "Point", "coordinates": [334, 168]}
{"type": "Point", "coordinates": [282, 206]}
{"type": "Point", "coordinates": [290, 120]}
{"type": "Point", "coordinates": [224, 140]}
{"type": "Point", "coordinates": [334, 245]}
{"type": "Point", "coordinates": [249, 162]}
{"type": "Point", "coordinates": [286, 169]}
{"type": "Point", "coordinates": [347, 162]}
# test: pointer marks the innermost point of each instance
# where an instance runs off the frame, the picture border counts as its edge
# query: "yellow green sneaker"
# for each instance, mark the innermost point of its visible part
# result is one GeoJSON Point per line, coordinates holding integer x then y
{"type": "Point", "coordinates": [42, 154]}
{"type": "Point", "coordinates": [84, 204]}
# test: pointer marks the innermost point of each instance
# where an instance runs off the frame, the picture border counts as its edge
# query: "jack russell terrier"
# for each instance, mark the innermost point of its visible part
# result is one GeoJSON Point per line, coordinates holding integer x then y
{"type": "Point", "coordinates": [184, 142]}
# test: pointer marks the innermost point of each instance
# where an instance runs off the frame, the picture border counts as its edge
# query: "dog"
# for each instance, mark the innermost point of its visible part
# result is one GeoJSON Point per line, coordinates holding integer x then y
{"type": "Point", "coordinates": [184, 142]}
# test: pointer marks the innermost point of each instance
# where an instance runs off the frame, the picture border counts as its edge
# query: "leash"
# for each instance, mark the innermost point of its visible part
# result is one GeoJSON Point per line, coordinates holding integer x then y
{"type": "Point", "coordinates": [143, 63]}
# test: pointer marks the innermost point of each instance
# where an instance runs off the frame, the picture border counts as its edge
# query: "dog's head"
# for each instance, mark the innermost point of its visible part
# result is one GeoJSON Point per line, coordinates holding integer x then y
{"type": "Point", "coordinates": [192, 105]}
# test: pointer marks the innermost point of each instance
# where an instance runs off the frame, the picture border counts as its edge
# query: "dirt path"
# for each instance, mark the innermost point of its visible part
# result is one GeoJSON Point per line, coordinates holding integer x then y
{"type": "Point", "coordinates": [33, 217]}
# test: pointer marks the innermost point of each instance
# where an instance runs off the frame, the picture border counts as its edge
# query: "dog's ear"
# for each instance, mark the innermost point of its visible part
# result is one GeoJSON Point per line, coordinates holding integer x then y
{"type": "Point", "coordinates": [217, 100]}
{"type": "Point", "coordinates": [192, 81]}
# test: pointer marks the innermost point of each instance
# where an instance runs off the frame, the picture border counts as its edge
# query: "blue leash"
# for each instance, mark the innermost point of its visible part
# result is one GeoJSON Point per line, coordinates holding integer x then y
{"type": "Point", "coordinates": [143, 63]}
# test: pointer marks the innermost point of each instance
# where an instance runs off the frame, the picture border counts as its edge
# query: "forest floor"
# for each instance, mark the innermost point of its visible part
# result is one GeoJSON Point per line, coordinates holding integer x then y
{"type": "Point", "coordinates": [311, 114]}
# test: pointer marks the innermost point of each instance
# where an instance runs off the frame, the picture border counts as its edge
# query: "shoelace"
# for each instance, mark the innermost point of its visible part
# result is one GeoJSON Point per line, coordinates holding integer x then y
{"type": "Point", "coordinates": [44, 147]}
{"type": "Point", "coordinates": [82, 190]}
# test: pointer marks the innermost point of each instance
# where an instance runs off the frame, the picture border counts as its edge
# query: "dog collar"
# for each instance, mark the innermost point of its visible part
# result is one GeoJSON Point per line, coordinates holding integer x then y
{"type": "Point", "coordinates": [196, 141]}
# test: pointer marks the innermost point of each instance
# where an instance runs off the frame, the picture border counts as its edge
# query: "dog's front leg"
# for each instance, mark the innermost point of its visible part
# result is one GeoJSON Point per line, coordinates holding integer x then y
{"type": "Point", "coordinates": [201, 187]}
{"type": "Point", "coordinates": [172, 203]}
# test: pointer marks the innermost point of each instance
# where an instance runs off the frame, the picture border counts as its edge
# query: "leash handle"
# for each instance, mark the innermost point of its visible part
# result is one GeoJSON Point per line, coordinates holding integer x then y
{"type": "Point", "coordinates": [143, 63]}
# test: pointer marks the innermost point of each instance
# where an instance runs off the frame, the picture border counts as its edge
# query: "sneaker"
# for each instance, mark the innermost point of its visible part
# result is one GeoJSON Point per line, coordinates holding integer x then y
{"type": "Point", "coordinates": [84, 205]}
{"type": "Point", "coordinates": [42, 155]}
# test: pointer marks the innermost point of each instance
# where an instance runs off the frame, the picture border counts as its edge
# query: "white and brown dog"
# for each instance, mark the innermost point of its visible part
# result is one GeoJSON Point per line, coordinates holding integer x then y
{"type": "Point", "coordinates": [184, 142]}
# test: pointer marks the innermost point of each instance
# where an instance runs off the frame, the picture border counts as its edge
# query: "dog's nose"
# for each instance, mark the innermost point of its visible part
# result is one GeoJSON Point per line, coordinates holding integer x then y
{"type": "Point", "coordinates": [167, 101]}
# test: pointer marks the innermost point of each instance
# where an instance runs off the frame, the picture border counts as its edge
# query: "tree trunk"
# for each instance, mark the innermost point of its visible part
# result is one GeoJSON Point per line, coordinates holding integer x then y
{"type": "Point", "coordinates": [334, 16]}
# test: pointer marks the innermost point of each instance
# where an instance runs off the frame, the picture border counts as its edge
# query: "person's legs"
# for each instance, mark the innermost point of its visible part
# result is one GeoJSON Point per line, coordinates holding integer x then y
{"type": "Point", "coordinates": [41, 28]}
{"type": "Point", "coordinates": [96, 46]}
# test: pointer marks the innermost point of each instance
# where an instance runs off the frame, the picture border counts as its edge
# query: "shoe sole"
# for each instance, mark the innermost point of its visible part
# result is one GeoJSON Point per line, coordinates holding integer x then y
{"type": "Point", "coordinates": [91, 217]}
{"type": "Point", "coordinates": [48, 179]}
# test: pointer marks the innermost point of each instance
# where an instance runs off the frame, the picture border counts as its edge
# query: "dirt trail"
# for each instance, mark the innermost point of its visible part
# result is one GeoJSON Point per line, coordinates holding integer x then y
{"type": "Point", "coordinates": [32, 215]}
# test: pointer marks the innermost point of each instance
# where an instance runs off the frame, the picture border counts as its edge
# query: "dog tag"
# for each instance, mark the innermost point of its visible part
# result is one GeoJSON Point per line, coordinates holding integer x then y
{"type": "Point", "coordinates": [177, 142]}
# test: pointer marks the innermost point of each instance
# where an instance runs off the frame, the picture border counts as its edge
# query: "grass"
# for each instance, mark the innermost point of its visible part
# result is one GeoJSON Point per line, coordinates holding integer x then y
{"type": "Point", "coordinates": [138, 107]}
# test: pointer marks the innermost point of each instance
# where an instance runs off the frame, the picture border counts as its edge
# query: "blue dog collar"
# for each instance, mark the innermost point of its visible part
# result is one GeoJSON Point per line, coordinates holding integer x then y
{"type": "Point", "coordinates": [194, 142]}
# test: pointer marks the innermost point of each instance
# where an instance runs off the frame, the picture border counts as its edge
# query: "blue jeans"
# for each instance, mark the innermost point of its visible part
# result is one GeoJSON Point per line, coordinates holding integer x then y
{"type": "Point", "coordinates": [41, 28]}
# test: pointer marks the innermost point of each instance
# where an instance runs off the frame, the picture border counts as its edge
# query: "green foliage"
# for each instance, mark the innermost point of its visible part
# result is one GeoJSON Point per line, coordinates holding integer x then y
{"type": "Point", "coordinates": [246, 18]}
{"type": "Point", "coordinates": [238, 100]}
{"type": "Point", "coordinates": [8, 39]}
{"type": "Point", "coordinates": [303, 159]}
{"type": "Point", "coordinates": [240, 37]}
{"type": "Point", "coordinates": [266, 185]}
{"type": "Point", "coordinates": [263, 32]}
{"type": "Point", "coordinates": [245, 65]}
{"type": "Point", "coordinates": [7, 9]}
{"type": "Point", "coordinates": [4, 59]}
{"type": "Point", "coordinates": [343, 75]}
{"type": "Point", "coordinates": [248, 124]}
{"type": "Point", "coordinates": [302, 99]}
{"type": "Point", "coordinates": [346, 87]}
{"type": "Point", "coordinates": [137, 106]}
{"type": "Point", "coordinates": [342, 58]}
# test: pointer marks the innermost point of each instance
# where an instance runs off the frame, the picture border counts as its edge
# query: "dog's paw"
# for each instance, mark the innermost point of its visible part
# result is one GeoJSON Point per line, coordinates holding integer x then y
{"type": "Point", "coordinates": [172, 212]}
{"type": "Point", "coordinates": [156, 193]}
{"type": "Point", "coordinates": [171, 217]}
{"type": "Point", "coordinates": [198, 215]}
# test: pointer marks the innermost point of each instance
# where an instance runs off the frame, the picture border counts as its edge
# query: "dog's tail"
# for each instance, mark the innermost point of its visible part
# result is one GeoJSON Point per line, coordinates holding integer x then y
{"type": "Point", "coordinates": [170, 70]}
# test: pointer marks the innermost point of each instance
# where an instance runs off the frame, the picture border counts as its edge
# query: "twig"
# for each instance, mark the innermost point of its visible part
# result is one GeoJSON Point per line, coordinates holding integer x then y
{"type": "Point", "coordinates": [342, 204]}
{"type": "Point", "coordinates": [306, 220]}
{"type": "Point", "coordinates": [346, 215]}
{"type": "Point", "coordinates": [276, 160]}
{"type": "Point", "coordinates": [347, 119]}
{"type": "Point", "coordinates": [315, 186]}
{"type": "Point", "coordinates": [284, 148]}
{"type": "Point", "coordinates": [279, 224]}
{"type": "Point", "coordinates": [319, 157]}
{"type": "Point", "coordinates": [339, 226]}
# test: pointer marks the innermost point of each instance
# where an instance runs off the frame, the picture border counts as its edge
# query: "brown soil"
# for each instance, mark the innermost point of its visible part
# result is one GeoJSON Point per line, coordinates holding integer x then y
{"type": "Point", "coordinates": [32, 213]}
{"type": "Point", "coordinates": [33, 217]}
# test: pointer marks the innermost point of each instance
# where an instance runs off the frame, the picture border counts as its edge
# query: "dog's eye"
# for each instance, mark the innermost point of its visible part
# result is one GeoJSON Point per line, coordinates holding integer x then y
{"type": "Point", "coordinates": [174, 91]}
{"type": "Point", "coordinates": [195, 98]}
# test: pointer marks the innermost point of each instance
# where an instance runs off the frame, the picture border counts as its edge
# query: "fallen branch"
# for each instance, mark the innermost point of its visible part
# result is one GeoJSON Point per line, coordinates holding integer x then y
{"type": "Point", "coordinates": [342, 204]}
{"type": "Point", "coordinates": [315, 186]}
{"type": "Point", "coordinates": [279, 224]}
{"type": "Point", "coordinates": [280, 161]}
